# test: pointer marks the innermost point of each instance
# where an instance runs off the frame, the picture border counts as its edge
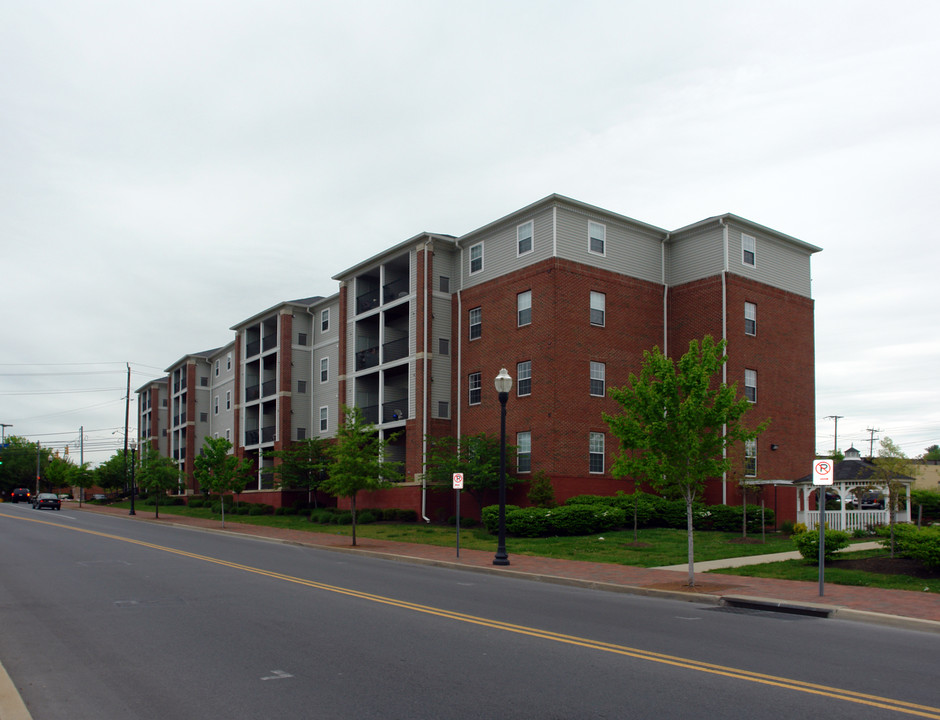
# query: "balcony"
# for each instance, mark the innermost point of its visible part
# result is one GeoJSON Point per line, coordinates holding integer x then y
{"type": "Point", "coordinates": [367, 358]}
{"type": "Point", "coordinates": [252, 348]}
{"type": "Point", "coordinates": [395, 289]}
{"type": "Point", "coordinates": [395, 411]}
{"type": "Point", "coordinates": [268, 387]}
{"type": "Point", "coordinates": [251, 437]}
{"type": "Point", "coordinates": [370, 414]}
{"type": "Point", "coordinates": [252, 392]}
{"type": "Point", "coordinates": [268, 434]}
{"type": "Point", "coordinates": [395, 350]}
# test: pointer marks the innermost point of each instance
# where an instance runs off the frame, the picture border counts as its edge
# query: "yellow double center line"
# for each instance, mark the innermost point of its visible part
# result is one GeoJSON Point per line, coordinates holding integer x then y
{"type": "Point", "coordinates": [680, 662]}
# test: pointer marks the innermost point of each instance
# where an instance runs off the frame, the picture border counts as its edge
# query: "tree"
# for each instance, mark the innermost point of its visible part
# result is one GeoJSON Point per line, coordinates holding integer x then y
{"type": "Point", "coordinates": [58, 473]}
{"type": "Point", "coordinates": [82, 478]}
{"type": "Point", "coordinates": [112, 474]}
{"type": "Point", "coordinates": [158, 474]}
{"type": "Point", "coordinates": [677, 422]}
{"type": "Point", "coordinates": [359, 461]}
{"type": "Point", "coordinates": [933, 453]}
{"type": "Point", "coordinates": [476, 456]}
{"type": "Point", "coordinates": [218, 470]}
{"type": "Point", "coordinates": [303, 465]}
{"type": "Point", "coordinates": [891, 466]}
{"type": "Point", "coordinates": [18, 463]}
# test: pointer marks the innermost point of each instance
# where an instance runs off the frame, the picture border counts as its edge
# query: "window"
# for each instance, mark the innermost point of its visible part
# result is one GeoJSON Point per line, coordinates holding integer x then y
{"type": "Point", "coordinates": [476, 323]}
{"type": "Point", "coordinates": [750, 458]}
{"type": "Point", "coordinates": [750, 319]}
{"type": "Point", "coordinates": [524, 308]}
{"type": "Point", "coordinates": [324, 320]}
{"type": "Point", "coordinates": [203, 417]}
{"type": "Point", "coordinates": [476, 258]}
{"type": "Point", "coordinates": [476, 388]}
{"type": "Point", "coordinates": [215, 405]}
{"type": "Point", "coordinates": [324, 419]}
{"type": "Point", "coordinates": [218, 367]}
{"type": "Point", "coordinates": [596, 452]}
{"type": "Point", "coordinates": [324, 369]}
{"type": "Point", "coordinates": [748, 250]}
{"type": "Point", "coordinates": [524, 238]}
{"type": "Point", "coordinates": [302, 386]}
{"type": "Point", "coordinates": [524, 378]}
{"type": "Point", "coordinates": [228, 434]}
{"type": "Point", "coordinates": [598, 308]}
{"type": "Point", "coordinates": [443, 409]}
{"type": "Point", "coordinates": [301, 433]}
{"type": "Point", "coordinates": [228, 399]}
{"type": "Point", "coordinates": [750, 385]}
{"type": "Point", "coordinates": [524, 452]}
{"type": "Point", "coordinates": [443, 346]}
{"type": "Point", "coordinates": [598, 379]}
{"type": "Point", "coordinates": [598, 238]}
{"type": "Point", "coordinates": [228, 361]}
{"type": "Point", "coordinates": [204, 382]}
{"type": "Point", "coordinates": [444, 284]}
{"type": "Point", "coordinates": [301, 338]}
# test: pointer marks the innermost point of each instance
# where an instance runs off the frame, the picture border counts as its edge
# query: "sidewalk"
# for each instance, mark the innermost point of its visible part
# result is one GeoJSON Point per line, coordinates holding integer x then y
{"type": "Point", "coordinates": [897, 608]}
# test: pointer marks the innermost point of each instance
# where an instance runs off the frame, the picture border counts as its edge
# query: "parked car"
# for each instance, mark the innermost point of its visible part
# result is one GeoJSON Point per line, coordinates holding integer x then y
{"type": "Point", "coordinates": [47, 500]}
{"type": "Point", "coordinates": [18, 494]}
{"type": "Point", "coordinates": [99, 497]}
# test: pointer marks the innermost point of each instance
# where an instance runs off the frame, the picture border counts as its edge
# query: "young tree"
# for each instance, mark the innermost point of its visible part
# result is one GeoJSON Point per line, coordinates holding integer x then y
{"type": "Point", "coordinates": [158, 474]}
{"type": "Point", "coordinates": [218, 470]}
{"type": "Point", "coordinates": [359, 461]}
{"type": "Point", "coordinates": [933, 453]}
{"type": "Point", "coordinates": [476, 456]}
{"type": "Point", "coordinates": [676, 422]}
{"type": "Point", "coordinates": [113, 473]}
{"type": "Point", "coordinates": [303, 465]}
{"type": "Point", "coordinates": [58, 473]}
{"type": "Point", "coordinates": [891, 466]}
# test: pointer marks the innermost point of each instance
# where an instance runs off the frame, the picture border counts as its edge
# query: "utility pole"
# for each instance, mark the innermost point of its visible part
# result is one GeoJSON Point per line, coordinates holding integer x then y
{"type": "Point", "coordinates": [3, 427]}
{"type": "Point", "coordinates": [127, 414]}
{"type": "Point", "coordinates": [871, 445]}
{"type": "Point", "coordinates": [835, 447]}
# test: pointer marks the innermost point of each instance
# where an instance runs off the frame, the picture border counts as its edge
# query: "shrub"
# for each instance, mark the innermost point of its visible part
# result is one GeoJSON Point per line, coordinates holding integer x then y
{"type": "Point", "coordinates": [341, 518]}
{"type": "Point", "coordinates": [727, 518]}
{"type": "Point", "coordinates": [808, 543]}
{"type": "Point", "coordinates": [465, 522]}
{"type": "Point", "coordinates": [489, 516]}
{"type": "Point", "coordinates": [366, 516]}
{"type": "Point", "coordinates": [583, 519]}
{"type": "Point", "coordinates": [787, 527]}
{"type": "Point", "coordinates": [321, 516]}
{"type": "Point", "coordinates": [196, 502]}
{"type": "Point", "coordinates": [541, 492]}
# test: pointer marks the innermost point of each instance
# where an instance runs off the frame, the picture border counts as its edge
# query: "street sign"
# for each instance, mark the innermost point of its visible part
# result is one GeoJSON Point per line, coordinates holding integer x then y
{"type": "Point", "coordinates": [458, 481]}
{"type": "Point", "coordinates": [823, 471]}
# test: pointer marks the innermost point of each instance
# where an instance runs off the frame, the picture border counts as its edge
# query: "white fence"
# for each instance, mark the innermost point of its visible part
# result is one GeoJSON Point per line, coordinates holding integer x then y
{"type": "Point", "coordinates": [850, 519]}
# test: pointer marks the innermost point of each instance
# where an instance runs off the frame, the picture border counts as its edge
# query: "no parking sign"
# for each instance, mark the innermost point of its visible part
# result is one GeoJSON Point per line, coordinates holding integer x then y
{"type": "Point", "coordinates": [822, 472]}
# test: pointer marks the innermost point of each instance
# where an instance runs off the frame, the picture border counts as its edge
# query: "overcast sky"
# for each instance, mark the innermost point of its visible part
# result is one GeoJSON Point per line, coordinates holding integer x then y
{"type": "Point", "coordinates": [168, 169]}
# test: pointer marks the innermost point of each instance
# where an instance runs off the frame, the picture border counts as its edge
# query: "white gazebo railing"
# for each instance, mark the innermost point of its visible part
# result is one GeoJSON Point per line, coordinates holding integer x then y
{"type": "Point", "coordinates": [845, 518]}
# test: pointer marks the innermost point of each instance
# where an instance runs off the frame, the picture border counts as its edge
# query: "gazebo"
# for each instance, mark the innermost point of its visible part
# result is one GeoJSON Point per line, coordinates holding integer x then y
{"type": "Point", "coordinates": [852, 477]}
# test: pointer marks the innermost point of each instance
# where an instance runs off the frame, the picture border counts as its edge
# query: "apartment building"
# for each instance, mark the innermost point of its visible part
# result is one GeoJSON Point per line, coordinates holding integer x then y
{"type": "Point", "coordinates": [565, 295]}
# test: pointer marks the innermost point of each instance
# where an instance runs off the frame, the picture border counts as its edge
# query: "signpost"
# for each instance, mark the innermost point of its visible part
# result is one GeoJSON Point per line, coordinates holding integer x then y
{"type": "Point", "coordinates": [458, 486]}
{"type": "Point", "coordinates": [823, 471]}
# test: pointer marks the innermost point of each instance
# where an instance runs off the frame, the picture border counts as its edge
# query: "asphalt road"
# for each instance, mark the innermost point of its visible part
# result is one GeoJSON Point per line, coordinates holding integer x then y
{"type": "Point", "coordinates": [104, 618]}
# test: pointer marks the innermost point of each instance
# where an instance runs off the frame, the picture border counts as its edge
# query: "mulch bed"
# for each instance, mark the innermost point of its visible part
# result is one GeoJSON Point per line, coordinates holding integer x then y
{"type": "Point", "coordinates": [886, 565]}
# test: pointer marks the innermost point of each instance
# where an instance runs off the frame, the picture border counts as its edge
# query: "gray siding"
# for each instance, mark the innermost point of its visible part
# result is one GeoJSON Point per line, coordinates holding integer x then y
{"type": "Point", "coordinates": [441, 364]}
{"type": "Point", "coordinates": [500, 248]}
{"type": "Point", "coordinates": [630, 251]}
{"type": "Point", "coordinates": [695, 255]}
{"type": "Point", "coordinates": [777, 263]}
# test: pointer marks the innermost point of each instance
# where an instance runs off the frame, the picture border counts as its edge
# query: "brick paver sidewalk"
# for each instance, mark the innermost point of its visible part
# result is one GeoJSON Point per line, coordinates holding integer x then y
{"type": "Point", "coordinates": [921, 609]}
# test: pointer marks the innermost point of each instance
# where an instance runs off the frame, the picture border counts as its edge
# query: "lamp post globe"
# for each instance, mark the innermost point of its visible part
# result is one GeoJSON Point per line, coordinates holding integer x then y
{"type": "Point", "coordinates": [503, 385]}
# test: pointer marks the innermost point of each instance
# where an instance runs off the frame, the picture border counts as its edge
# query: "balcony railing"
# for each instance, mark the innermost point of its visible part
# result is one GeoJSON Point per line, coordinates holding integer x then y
{"type": "Point", "coordinates": [252, 392]}
{"type": "Point", "coordinates": [394, 411]}
{"type": "Point", "coordinates": [395, 350]}
{"type": "Point", "coordinates": [367, 301]}
{"type": "Point", "coordinates": [395, 289]}
{"type": "Point", "coordinates": [268, 434]}
{"type": "Point", "coordinates": [367, 358]}
{"type": "Point", "coordinates": [268, 387]}
{"type": "Point", "coordinates": [370, 413]}
{"type": "Point", "coordinates": [251, 437]}
{"type": "Point", "coordinates": [270, 341]}
{"type": "Point", "coordinates": [252, 348]}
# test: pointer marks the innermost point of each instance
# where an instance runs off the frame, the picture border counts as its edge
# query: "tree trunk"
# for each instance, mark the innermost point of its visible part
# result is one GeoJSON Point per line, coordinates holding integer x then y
{"type": "Point", "coordinates": [688, 527]}
{"type": "Point", "coordinates": [353, 507]}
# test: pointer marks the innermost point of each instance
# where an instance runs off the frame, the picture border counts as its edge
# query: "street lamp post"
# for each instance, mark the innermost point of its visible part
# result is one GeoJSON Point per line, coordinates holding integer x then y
{"type": "Point", "coordinates": [133, 465]}
{"type": "Point", "coordinates": [503, 386]}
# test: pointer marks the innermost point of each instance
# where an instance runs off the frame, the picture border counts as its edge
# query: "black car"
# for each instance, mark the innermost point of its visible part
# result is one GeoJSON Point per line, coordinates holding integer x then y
{"type": "Point", "coordinates": [47, 500]}
{"type": "Point", "coordinates": [17, 494]}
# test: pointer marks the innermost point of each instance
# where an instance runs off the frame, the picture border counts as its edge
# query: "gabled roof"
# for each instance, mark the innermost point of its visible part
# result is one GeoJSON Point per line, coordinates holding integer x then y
{"type": "Point", "coordinates": [852, 470]}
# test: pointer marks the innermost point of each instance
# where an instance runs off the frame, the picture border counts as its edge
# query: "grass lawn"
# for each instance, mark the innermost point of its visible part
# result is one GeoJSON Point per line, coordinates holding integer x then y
{"type": "Point", "coordinates": [655, 546]}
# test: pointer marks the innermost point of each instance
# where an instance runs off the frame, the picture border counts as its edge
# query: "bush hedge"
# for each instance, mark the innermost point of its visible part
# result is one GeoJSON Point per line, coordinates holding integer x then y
{"type": "Point", "coordinates": [808, 543]}
{"type": "Point", "coordinates": [912, 542]}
